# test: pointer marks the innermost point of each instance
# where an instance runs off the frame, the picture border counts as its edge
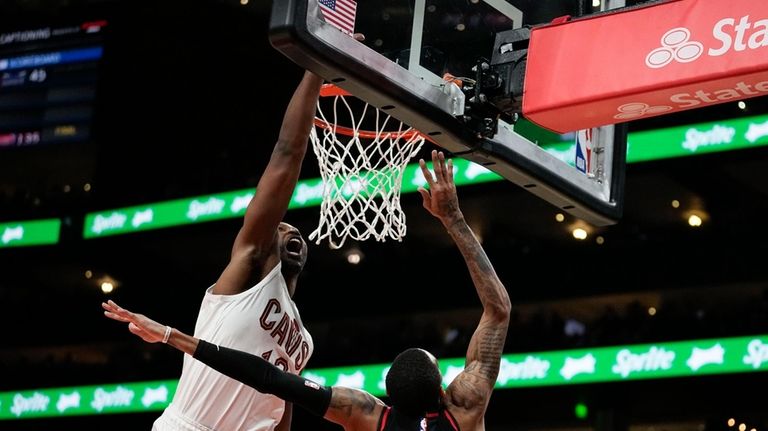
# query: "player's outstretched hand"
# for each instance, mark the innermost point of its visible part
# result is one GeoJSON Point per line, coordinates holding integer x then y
{"type": "Point", "coordinates": [440, 200]}
{"type": "Point", "coordinates": [139, 324]}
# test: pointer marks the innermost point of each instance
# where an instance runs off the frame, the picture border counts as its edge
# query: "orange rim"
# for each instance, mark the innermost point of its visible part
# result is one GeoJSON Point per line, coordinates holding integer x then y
{"type": "Point", "coordinates": [329, 90]}
{"type": "Point", "coordinates": [367, 134]}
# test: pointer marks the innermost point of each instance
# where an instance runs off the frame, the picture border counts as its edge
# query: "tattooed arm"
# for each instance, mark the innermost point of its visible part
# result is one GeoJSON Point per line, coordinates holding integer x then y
{"type": "Point", "coordinates": [354, 409]}
{"type": "Point", "coordinates": [469, 393]}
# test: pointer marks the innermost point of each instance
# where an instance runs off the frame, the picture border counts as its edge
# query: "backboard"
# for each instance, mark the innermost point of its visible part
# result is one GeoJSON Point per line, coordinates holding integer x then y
{"type": "Point", "coordinates": [411, 44]}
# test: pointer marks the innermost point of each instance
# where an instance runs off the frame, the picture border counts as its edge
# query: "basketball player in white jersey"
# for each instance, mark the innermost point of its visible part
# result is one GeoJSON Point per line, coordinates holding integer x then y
{"type": "Point", "coordinates": [249, 307]}
{"type": "Point", "coordinates": [413, 382]}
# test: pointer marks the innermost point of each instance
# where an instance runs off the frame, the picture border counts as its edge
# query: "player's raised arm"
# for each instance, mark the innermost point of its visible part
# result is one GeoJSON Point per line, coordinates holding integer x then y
{"type": "Point", "coordinates": [469, 393]}
{"type": "Point", "coordinates": [275, 188]}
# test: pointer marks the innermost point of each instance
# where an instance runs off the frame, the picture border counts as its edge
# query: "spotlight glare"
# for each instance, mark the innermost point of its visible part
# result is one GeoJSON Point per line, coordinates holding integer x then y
{"type": "Point", "coordinates": [559, 217]}
{"type": "Point", "coordinates": [742, 105]}
{"type": "Point", "coordinates": [108, 287]}
{"type": "Point", "coordinates": [354, 258]}
{"type": "Point", "coordinates": [694, 220]}
{"type": "Point", "coordinates": [580, 234]}
{"type": "Point", "coordinates": [651, 311]}
{"type": "Point", "coordinates": [675, 203]}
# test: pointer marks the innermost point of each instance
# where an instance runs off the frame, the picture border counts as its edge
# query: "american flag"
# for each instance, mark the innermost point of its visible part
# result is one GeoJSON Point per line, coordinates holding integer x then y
{"type": "Point", "coordinates": [340, 14]}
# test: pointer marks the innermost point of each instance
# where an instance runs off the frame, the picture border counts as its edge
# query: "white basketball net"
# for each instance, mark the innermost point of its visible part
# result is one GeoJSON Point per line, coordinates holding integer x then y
{"type": "Point", "coordinates": [362, 174]}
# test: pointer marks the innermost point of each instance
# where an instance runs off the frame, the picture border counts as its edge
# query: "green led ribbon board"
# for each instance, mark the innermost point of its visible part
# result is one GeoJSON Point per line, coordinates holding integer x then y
{"type": "Point", "coordinates": [659, 144]}
{"type": "Point", "coordinates": [565, 367]}
{"type": "Point", "coordinates": [25, 233]}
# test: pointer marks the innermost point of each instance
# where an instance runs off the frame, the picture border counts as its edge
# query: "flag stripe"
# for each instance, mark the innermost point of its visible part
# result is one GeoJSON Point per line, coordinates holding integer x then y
{"type": "Point", "coordinates": [339, 17]}
{"type": "Point", "coordinates": [341, 25]}
{"type": "Point", "coordinates": [346, 15]}
{"type": "Point", "coordinates": [340, 13]}
{"type": "Point", "coordinates": [346, 10]}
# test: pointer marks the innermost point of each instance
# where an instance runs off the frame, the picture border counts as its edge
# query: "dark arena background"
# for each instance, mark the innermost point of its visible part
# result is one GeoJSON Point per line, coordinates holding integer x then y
{"type": "Point", "coordinates": [150, 102]}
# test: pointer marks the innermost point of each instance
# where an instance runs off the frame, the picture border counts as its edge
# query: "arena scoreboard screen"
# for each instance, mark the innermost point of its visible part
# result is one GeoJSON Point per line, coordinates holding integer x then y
{"type": "Point", "coordinates": [48, 82]}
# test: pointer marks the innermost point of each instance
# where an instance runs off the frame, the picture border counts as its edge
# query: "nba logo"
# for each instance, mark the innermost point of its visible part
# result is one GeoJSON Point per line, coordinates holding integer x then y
{"type": "Point", "coordinates": [584, 151]}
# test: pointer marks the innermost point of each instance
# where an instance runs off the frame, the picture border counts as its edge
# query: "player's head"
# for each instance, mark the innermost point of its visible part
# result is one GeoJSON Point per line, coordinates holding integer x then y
{"type": "Point", "coordinates": [414, 382]}
{"type": "Point", "coordinates": [292, 248]}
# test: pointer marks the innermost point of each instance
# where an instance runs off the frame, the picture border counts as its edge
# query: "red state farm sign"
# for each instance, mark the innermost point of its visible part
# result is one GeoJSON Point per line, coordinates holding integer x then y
{"type": "Point", "coordinates": [639, 63]}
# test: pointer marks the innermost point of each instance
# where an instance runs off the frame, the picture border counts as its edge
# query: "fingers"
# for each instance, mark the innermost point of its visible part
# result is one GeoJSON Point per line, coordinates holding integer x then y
{"type": "Point", "coordinates": [134, 329]}
{"type": "Point", "coordinates": [425, 197]}
{"type": "Point", "coordinates": [115, 312]}
{"type": "Point", "coordinates": [119, 310]}
{"type": "Point", "coordinates": [359, 37]}
{"type": "Point", "coordinates": [426, 173]}
{"type": "Point", "coordinates": [447, 176]}
{"type": "Point", "coordinates": [443, 173]}
{"type": "Point", "coordinates": [117, 317]}
{"type": "Point", "coordinates": [437, 166]}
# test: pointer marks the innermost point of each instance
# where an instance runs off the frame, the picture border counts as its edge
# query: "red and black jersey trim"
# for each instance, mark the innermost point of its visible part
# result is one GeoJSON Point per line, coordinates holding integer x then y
{"type": "Point", "coordinates": [451, 420]}
{"type": "Point", "coordinates": [383, 419]}
{"type": "Point", "coordinates": [431, 417]}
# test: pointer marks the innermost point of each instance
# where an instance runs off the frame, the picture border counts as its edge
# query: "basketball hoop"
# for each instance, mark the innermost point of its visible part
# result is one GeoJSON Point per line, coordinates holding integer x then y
{"type": "Point", "coordinates": [361, 166]}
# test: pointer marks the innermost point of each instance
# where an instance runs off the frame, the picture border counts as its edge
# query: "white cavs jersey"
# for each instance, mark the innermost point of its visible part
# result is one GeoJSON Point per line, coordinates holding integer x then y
{"type": "Point", "coordinates": [262, 321]}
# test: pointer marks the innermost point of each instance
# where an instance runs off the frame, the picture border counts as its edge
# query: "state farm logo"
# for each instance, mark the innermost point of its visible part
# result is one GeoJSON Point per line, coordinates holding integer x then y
{"type": "Point", "coordinates": [629, 111]}
{"type": "Point", "coordinates": [675, 45]}
{"type": "Point", "coordinates": [732, 34]}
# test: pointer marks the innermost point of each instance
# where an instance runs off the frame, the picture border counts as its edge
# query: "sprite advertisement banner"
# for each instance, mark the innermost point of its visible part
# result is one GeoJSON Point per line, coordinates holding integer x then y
{"type": "Point", "coordinates": [87, 400]}
{"type": "Point", "coordinates": [233, 204]}
{"type": "Point", "coordinates": [603, 364]}
{"type": "Point", "coordinates": [704, 138]}
{"type": "Point", "coordinates": [23, 233]}
{"type": "Point", "coordinates": [641, 146]}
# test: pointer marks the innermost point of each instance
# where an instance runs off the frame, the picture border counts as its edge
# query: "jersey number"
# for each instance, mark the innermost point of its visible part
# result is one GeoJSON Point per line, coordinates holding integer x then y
{"type": "Point", "coordinates": [280, 361]}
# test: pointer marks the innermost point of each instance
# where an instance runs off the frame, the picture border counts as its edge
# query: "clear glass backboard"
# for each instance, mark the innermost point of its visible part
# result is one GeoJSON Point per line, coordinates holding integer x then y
{"type": "Point", "coordinates": [411, 44]}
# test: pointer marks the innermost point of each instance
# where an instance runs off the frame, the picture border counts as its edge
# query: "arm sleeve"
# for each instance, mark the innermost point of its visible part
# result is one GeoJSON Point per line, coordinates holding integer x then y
{"type": "Point", "coordinates": [265, 377]}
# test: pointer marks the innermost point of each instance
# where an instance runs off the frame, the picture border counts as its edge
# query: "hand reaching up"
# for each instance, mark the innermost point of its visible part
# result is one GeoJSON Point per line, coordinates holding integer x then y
{"type": "Point", "coordinates": [440, 200]}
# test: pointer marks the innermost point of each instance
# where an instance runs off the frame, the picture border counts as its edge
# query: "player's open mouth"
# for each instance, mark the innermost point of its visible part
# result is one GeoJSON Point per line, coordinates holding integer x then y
{"type": "Point", "coordinates": [294, 245]}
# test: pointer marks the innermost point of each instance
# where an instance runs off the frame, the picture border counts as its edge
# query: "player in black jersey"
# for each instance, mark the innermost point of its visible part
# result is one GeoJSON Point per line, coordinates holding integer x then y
{"type": "Point", "coordinates": [418, 401]}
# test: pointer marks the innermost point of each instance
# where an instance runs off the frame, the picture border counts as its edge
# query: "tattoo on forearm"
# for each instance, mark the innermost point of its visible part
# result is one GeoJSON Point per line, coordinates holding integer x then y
{"type": "Point", "coordinates": [347, 401]}
{"type": "Point", "coordinates": [490, 346]}
{"type": "Point", "coordinates": [489, 288]}
{"type": "Point", "coordinates": [491, 335]}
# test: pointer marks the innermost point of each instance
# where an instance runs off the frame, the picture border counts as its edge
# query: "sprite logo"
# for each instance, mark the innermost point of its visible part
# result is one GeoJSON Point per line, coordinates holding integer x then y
{"type": "Point", "coordinates": [655, 359]}
{"type": "Point", "coordinates": [12, 233]}
{"type": "Point", "coordinates": [757, 354]}
{"type": "Point", "coordinates": [37, 402]}
{"type": "Point", "coordinates": [120, 397]}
